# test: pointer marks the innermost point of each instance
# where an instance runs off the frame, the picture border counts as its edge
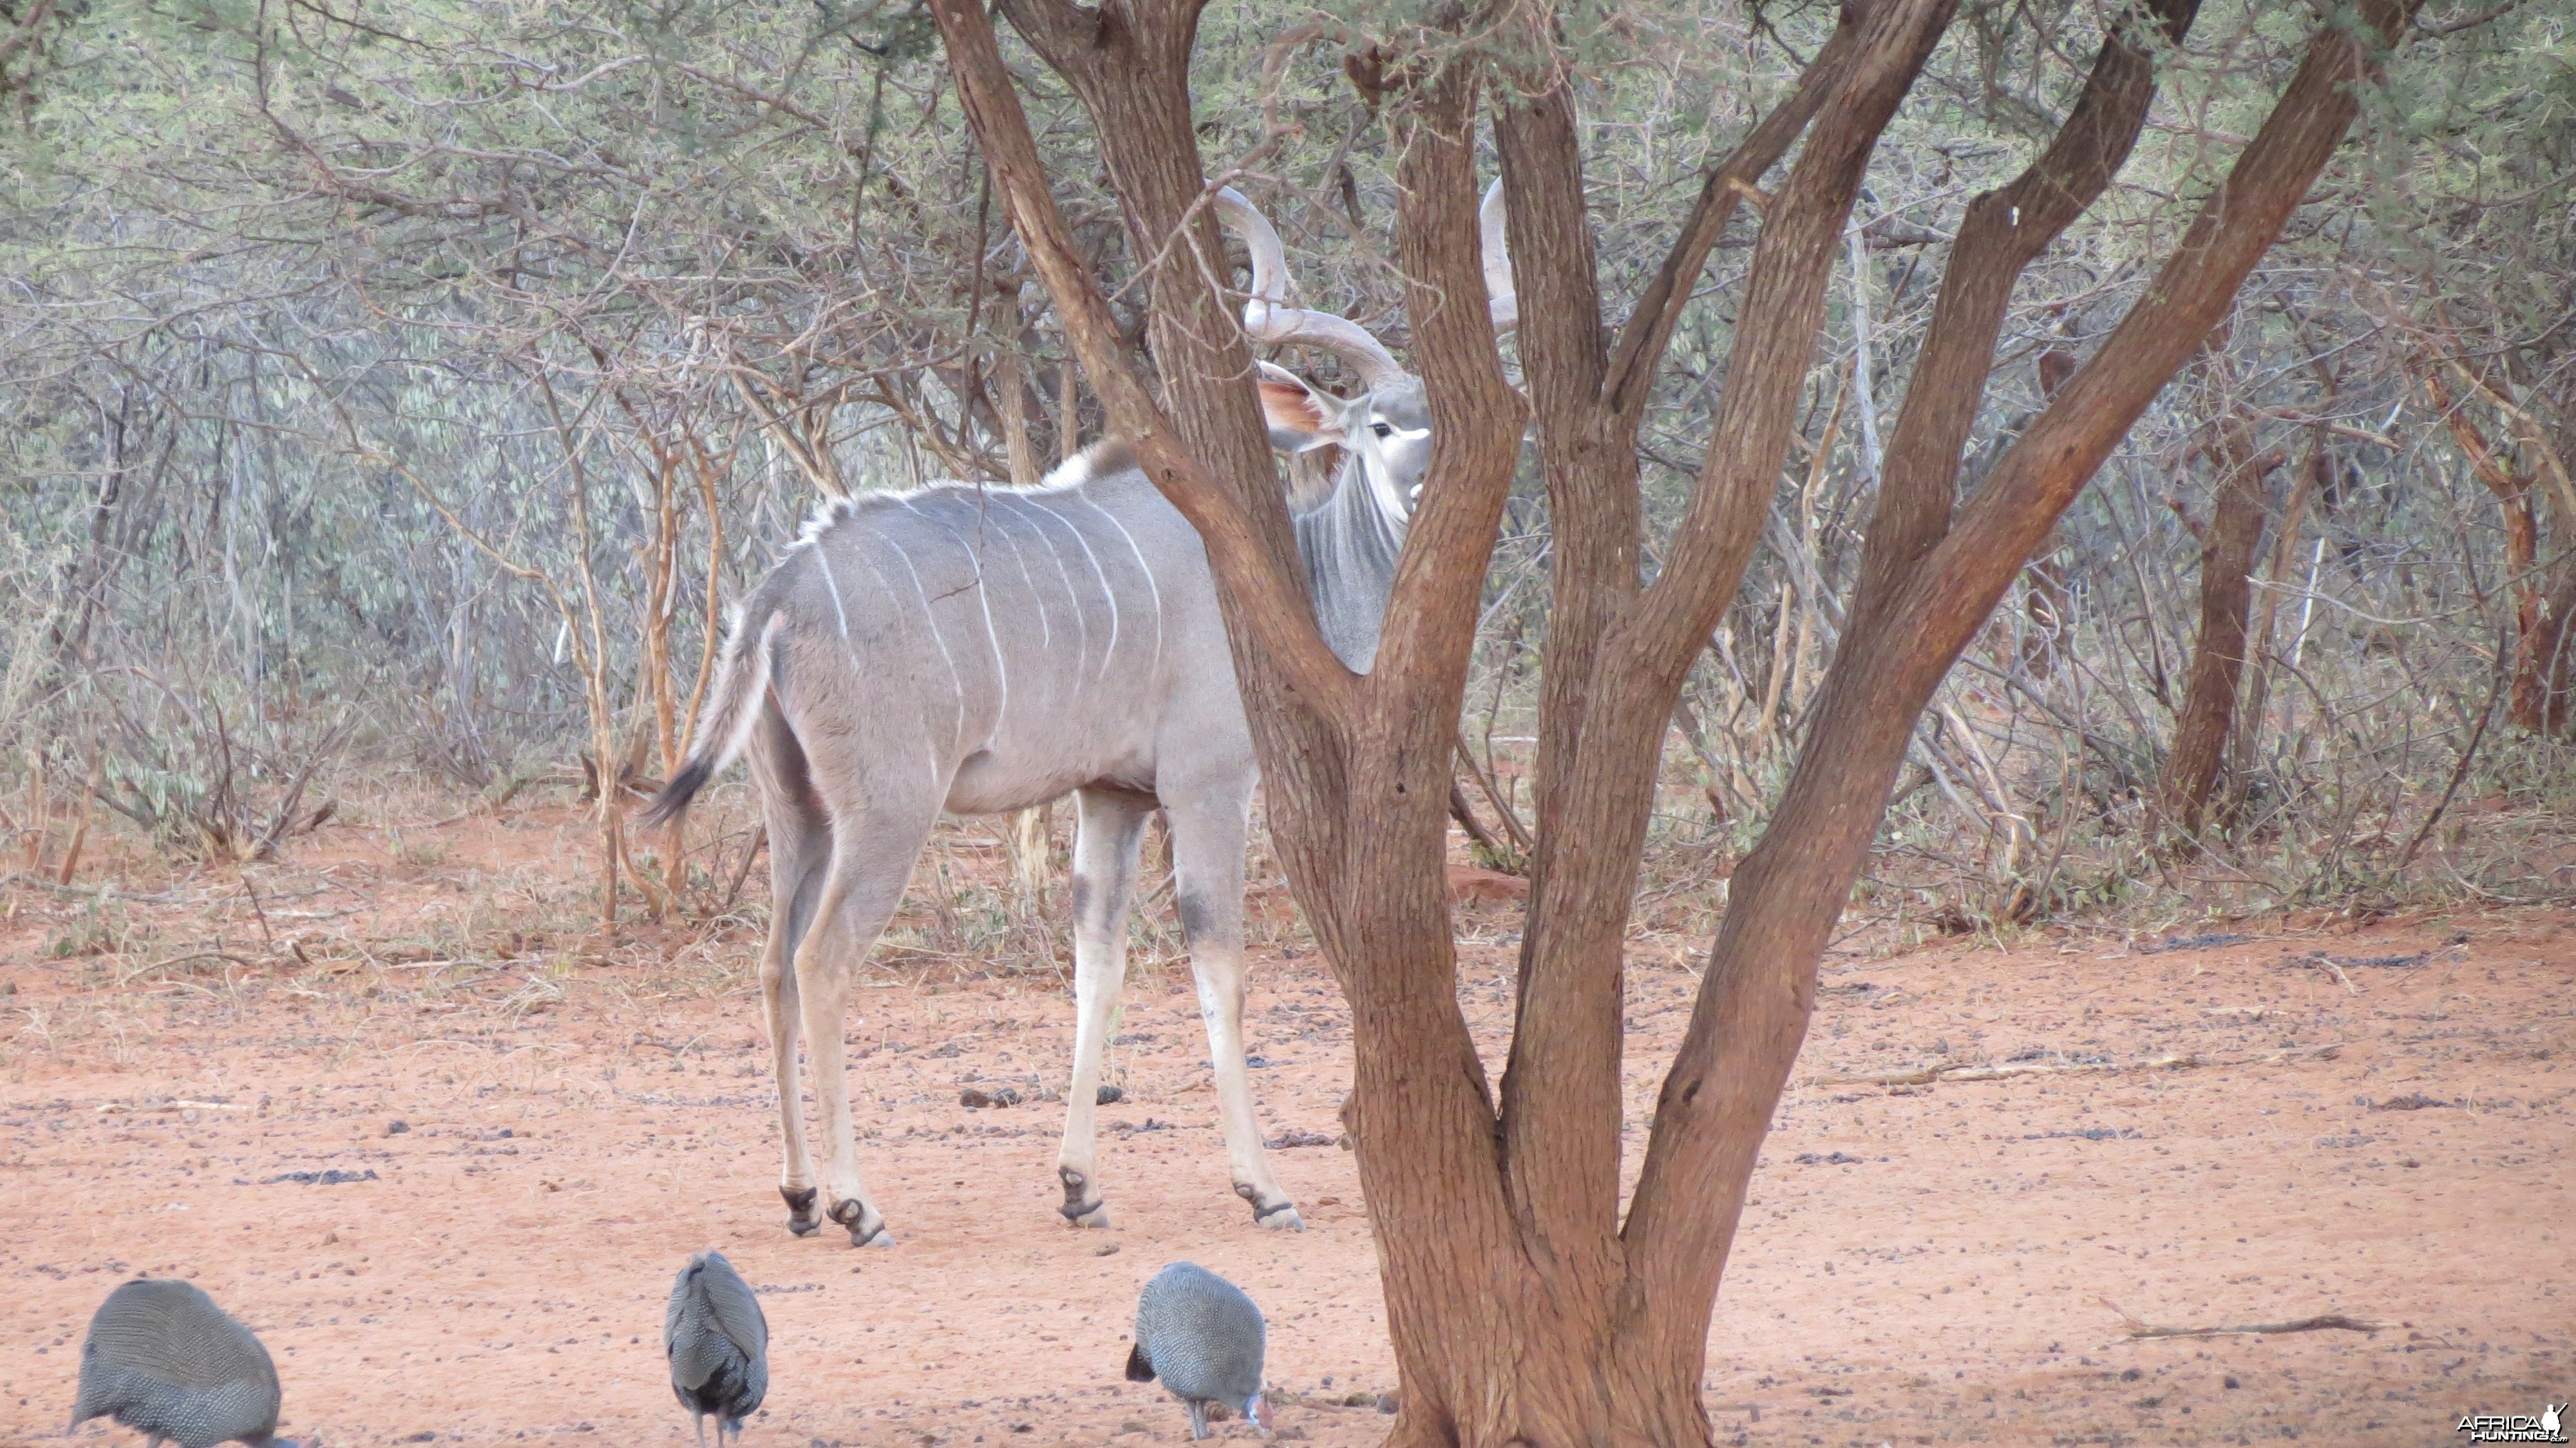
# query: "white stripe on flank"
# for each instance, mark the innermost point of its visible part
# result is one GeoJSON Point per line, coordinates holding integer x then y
{"type": "Point", "coordinates": [955, 680]}
{"type": "Point", "coordinates": [929, 745]}
{"type": "Point", "coordinates": [1142, 567]}
{"type": "Point", "coordinates": [984, 601]}
{"type": "Point", "coordinates": [831, 587]}
{"type": "Point", "coordinates": [1081, 615]}
{"type": "Point", "coordinates": [1106, 591]}
{"type": "Point", "coordinates": [1001, 671]}
{"type": "Point", "coordinates": [1046, 633]}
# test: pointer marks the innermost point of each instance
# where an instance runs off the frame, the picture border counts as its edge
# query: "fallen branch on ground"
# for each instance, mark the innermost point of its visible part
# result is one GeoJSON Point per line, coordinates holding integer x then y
{"type": "Point", "coordinates": [104, 889]}
{"type": "Point", "coordinates": [1958, 1071]}
{"type": "Point", "coordinates": [189, 957]}
{"type": "Point", "coordinates": [2325, 1322]}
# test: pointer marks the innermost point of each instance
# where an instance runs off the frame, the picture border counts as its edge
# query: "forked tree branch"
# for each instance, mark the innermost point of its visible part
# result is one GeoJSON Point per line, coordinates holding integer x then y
{"type": "Point", "coordinates": [1274, 603]}
{"type": "Point", "coordinates": [2004, 231]}
{"type": "Point", "coordinates": [1766, 367]}
{"type": "Point", "coordinates": [1561, 1103]}
{"type": "Point", "coordinates": [1589, 394]}
{"type": "Point", "coordinates": [1639, 352]}
{"type": "Point", "coordinates": [2054, 458]}
{"type": "Point", "coordinates": [23, 35]}
{"type": "Point", "coordinates": [1476, 417]}
{"type": "Point", "coordinates": [1751, 1017]}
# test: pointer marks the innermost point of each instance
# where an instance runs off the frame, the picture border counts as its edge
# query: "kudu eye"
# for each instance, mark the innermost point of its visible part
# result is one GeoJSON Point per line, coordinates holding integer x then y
{"type": "Point", "coordinates": [1383, 430]}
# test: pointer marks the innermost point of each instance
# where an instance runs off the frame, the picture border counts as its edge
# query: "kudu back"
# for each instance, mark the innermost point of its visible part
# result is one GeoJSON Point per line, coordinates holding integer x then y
{"type": "Point", "coordinates": [981, 650]}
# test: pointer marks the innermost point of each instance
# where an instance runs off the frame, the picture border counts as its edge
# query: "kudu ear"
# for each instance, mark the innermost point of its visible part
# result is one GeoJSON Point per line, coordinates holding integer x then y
{"type": "Point", "coordinates": [1301, 418]}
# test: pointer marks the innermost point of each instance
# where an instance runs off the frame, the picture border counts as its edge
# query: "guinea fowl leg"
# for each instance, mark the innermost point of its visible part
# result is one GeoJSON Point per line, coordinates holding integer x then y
{"type": "Point", "coordinates": [1198, 1420]}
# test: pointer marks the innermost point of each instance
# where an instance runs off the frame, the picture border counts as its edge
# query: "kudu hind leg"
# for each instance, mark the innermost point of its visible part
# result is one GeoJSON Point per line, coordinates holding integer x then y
{"type": "Point", "coordinates": [870, 863]}
{"type": "Point", "coordinates": [798, 857]}
{"type": "Point", "coordinates": [1207, 857]}
{"type": "Point", "coordinates": [1110, 827]}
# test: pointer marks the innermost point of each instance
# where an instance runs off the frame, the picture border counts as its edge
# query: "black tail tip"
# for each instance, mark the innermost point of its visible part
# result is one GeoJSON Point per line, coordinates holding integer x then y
{"type": "Point", "coordinates": [673, 801]}
{"type": "Point", "coordinates": [1140, 1369]}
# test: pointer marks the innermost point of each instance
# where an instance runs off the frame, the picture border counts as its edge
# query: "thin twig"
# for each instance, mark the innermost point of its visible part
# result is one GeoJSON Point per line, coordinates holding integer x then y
{"type": "Point", "coordinates": [2335, 1321]}
{"type": "Point", "coordinates": [1955, 1071]}
{"type": "Point", "coordinates": [2460, 771]}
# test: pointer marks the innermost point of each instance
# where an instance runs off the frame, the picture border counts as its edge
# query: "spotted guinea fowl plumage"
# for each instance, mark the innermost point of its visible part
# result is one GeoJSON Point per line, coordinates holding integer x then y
{"type": "Point", "coordinates": [1204, 1338]}
{"type": "Point", "coordinates": [162, 1358]}
{"type": "Point", "coordinates": [718, 1342]}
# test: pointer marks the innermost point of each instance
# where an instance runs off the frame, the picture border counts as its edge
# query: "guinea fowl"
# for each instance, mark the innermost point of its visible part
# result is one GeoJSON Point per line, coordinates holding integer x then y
{"type": "Point", "coordinates": [718, 1343]}
{"type": "Point", "coordinates": [1203, 1338]}
{"type": "Point", "coordinates": [162, 1358]}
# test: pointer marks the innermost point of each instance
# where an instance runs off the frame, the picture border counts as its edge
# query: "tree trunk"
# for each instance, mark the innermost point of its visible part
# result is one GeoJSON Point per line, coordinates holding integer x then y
{"type": "Point", "coordinates": [2553, 637]}
{"type": "Point", "coordinates": [2535, 639]}
{"type": "Point", "coordinates": [2555, 644]}
{"type": "Point", "coordinates": [1520, 1306]}
{"type": "Point", "coordinates": [1760, 985]}
{"type": "Point", "coordinates": [611, 845]}
{"type": "Point", "coordinates": [2228, 546]}
{"type": "Point", "coordinates": [2553, 641]}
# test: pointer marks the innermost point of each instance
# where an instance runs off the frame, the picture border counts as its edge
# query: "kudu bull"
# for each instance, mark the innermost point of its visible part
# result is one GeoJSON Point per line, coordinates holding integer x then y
{"type": "Point", "coordinates": [984, 650]}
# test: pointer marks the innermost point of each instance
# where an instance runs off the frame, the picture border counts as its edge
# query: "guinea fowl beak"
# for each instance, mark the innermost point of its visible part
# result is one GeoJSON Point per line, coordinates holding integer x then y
{"type": "Point", "coordinates": [1257, 1408]}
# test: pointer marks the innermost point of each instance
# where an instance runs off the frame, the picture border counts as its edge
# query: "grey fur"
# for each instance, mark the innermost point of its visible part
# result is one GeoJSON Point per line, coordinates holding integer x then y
{"type": "Point", "coordinates": [162, 1358]}
{"type": "Point", "coordinates": [986, 650]}
{"type": "Point", "coordinates": [1204, 1338]}
{"type": "Point", "coordinates": [1352, 542]}
{"type": "Point", "coordinates": [717, 1339]}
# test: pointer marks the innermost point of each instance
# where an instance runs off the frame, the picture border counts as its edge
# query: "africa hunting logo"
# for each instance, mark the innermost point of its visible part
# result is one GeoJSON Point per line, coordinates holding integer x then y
{"type": "Point", "coordinates": [2516, 1427]}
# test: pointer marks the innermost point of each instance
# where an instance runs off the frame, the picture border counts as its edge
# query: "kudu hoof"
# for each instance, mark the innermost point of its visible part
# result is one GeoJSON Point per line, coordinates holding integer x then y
{"type": "Point", "coordinates": [864, 1232]}
{"type": "Point", "coordinates": [1279, 1216]}
{"type": "Point", "coordinates": [1081, 1208]}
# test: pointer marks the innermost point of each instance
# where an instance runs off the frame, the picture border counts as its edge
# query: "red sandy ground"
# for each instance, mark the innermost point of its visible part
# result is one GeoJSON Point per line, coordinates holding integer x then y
{"type": "Point", "coordinates": [1922, 1264]}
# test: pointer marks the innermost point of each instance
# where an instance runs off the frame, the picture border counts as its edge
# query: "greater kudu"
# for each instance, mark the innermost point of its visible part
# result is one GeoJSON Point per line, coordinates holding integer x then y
{"type": "Point", "coordinates": [902, 659]}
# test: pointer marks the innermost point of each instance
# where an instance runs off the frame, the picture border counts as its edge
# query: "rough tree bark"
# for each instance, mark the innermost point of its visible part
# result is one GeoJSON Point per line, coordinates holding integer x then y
{"type": "Point", "coordinates": [2227, 548]}
{"type": "Point", "coordinates": [2535, 632]}
{"type": "Point", "coordinates": [2554, 635]}
{"type": "Point", "coordinates": [1522, 1308]}
{"type": "Point", "coordinates": [2553, 640]}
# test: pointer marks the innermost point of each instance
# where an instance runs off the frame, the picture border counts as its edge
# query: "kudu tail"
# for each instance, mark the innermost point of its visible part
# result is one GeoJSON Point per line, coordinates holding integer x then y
{"type": "Point", "coordinates": [742, 680]}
